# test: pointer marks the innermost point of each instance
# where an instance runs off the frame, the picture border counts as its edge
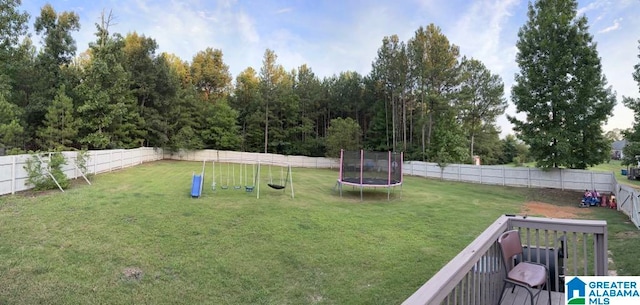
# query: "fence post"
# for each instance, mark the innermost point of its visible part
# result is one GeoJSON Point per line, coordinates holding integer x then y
{"type": "Point", "coordinates": [110, 157]}
{"type": "Point", "coordinates": [459, 172]}
{"type": "Point", "coordinates": [529, 177]}
{"type": "Point", "coordinates": [503, 176]}
{"type": "Point", "coordinates": [562, 179]}
{"type": "Point", "coordinates": [13, 175]}
{"type": "Point", "coordinates": [592, 185]}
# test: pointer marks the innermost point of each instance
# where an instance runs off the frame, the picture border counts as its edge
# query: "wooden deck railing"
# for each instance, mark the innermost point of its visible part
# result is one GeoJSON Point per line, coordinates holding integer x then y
{"type": "Point", "coordinates": [474, 276]}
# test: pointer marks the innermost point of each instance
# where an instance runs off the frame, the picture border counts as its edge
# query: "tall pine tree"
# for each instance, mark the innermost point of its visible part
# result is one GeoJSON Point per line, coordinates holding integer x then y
{"type": "Point", "coordinates": [632, 135]}
{"type": "Point", "coordinates": [560, 88]}
{"type": "Point", "coordinates": [60, 127]}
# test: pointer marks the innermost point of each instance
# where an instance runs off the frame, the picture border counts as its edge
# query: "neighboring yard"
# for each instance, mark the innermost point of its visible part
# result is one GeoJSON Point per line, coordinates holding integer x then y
{"type": "Point", "coordinates": [615, 167]}
{"type": "Point", "coordinates": [136, 236]}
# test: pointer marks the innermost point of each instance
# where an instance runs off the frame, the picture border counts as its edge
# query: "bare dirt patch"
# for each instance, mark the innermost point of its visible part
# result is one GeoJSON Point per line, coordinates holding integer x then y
{"type": "Point", "coordinates": [132, 273]}
{"type": "Point", "coordinates": [536, 208]}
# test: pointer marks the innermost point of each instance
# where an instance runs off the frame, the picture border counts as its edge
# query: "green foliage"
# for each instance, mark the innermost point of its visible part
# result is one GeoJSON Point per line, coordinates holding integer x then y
{"type": "Point", "coordinates": [343, 134]}
{"type": "Point", "coordinates": [318, 245]}
{"type": "Point", "coordinates": [211, 75]}
{"type": "Point", "coordinates": [481, 101]}
{"type": "Point", "coordinates": [110, 116]}
{"type": "Point", "coordinates": [435, 73]}
{"type": "Point", "coordinates": [60, 127]}
{"type": "Point", "coordinates": [121, 94]}
{"type": "Point", "coordinates": [488, 145]}
{"type": "Point", "coordinates": [186, 138]}
{"type": "Point", "coordinates": [560, 88]}
{"type": "Point", "coordinates": [13, 25]}
{"type": "Point", "coordinates": [632, 135]}
{"type": "Point", "coordinates": [39, 173]}
{"type": "Point", "coordinates": [82, 160]}
{"type": "Point", "coordinates": [449, 144]}
{"type": "Point", "coordinates": [11, 131]}
{"type": "Point", "coordinates": [221, 131]}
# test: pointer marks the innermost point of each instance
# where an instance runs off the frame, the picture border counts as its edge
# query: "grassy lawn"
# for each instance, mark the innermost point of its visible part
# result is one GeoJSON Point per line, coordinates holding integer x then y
{"type": "Point", "coordinates": [615, 167]}
{"type": "Point", "coordinates": [136, 237]}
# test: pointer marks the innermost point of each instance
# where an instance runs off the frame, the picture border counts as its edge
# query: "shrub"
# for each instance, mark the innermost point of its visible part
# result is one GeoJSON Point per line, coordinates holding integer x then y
{"type": "Point", "coordinates": [39, 174]}
{"type": "Point", "coordinates": [82, 158]}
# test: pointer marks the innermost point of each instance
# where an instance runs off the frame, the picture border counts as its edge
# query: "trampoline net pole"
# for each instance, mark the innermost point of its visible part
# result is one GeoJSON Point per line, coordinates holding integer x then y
{"type": "Point", "coordinates": [341, 164]}
{"type": "Point", "coordinates": [361, 166]}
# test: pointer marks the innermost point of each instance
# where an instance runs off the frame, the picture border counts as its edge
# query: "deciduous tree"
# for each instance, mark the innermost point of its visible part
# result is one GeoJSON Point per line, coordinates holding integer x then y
{"type": "Point", "coordinates": [343, 134]}
{"type": "Point", "coordinates": [481, 99]}
{"type": "Point", "coordinates": [560, 88]}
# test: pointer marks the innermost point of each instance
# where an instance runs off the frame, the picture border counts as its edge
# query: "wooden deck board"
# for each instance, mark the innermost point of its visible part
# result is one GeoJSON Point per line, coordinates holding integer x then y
{"type": "Point", "coordinates": [521, 297]}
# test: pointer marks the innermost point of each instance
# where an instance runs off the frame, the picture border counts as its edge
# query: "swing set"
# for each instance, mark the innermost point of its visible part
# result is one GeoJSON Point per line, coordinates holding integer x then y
{"type": "Point", "coordinates": [249, 176]}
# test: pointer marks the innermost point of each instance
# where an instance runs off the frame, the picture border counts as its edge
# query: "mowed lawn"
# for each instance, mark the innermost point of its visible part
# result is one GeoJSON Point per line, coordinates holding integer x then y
{"type": "Point", "coordinates": [136, 237]}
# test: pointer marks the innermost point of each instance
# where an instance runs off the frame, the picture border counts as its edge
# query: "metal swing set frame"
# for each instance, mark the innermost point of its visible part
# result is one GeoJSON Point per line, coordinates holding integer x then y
{"type": "Point", "coordinates": [285, 182]}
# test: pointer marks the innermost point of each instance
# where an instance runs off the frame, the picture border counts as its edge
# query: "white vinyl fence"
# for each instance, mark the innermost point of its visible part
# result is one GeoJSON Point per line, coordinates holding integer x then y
{"type": "Point", "coordinates": [13, 176]}
{"type": "Point", "coordinates": [248, 157]}
{"type": "Point", "coordinates": [628, 202]}
{"type": "Point", "coordinates": [565, 179]}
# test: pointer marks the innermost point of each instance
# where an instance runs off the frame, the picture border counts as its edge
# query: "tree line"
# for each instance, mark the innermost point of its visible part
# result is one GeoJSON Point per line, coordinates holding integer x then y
{"type": "Point", "coordinates": [421, 96]}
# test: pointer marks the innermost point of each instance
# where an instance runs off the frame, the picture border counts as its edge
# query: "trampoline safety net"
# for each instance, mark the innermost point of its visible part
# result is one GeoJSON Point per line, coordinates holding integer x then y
{"type": "Point", "coordinates": [371, 168]}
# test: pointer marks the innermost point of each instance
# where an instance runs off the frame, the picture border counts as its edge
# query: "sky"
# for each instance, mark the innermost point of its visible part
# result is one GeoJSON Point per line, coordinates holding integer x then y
{"type": "Point", "coordinates": [345, 35]}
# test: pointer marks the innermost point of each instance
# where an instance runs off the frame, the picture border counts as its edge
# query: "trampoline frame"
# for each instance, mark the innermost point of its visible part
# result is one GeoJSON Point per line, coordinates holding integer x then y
{"type": "Point", "coordinates": [362, 183]}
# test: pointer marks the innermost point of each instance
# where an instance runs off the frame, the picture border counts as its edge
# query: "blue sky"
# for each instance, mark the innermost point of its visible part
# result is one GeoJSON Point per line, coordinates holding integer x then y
{"type": "Point", "coordinates": [336, 36]}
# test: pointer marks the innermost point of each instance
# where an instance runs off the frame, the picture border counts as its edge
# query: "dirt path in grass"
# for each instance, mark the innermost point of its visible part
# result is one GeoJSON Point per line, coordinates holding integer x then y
{"type": "Point", "coordinates": [535, 208]}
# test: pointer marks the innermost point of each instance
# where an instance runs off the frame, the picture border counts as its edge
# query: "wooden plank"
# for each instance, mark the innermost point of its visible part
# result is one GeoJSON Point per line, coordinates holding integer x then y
{"type": "Point", "coordinates": [569, 225]}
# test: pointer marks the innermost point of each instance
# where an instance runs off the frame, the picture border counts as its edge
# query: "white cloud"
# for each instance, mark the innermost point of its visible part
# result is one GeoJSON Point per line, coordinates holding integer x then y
{"type": "Point", "coordinates": [345, 36]}
{"type": "Point", "coordinates": [247, 29]}
{"type": "Point", "coordinates": [486, 32]}
{"type": "Point", "coordinates": [284, 10]}
{"type": "Point", "coordinates": [595, 5]}
{"type": "Point", "coordinates": [615, 26]}
{"type": "Point", "coordinates": [480, 33]}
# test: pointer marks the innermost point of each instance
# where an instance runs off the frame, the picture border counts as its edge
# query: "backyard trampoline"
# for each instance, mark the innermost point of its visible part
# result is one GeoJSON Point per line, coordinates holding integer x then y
{"type": "Point", "coordinates": [370, 169]}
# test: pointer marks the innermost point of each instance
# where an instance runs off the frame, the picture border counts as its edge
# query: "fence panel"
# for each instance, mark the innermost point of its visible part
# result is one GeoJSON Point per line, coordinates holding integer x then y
{"type": "Point", "coordinates": [628, 202]}
{"type": "Point", "coordinates": [250, 157]}
{"type": "Point", "coordinates": [514, 176]}
{"type": "Point", "coordinates": [13, 176]}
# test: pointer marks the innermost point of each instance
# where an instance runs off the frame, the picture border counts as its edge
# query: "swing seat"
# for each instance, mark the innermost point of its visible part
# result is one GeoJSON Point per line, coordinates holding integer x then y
{"type": "Point", "coordinates": [224, 187]}
{"type": "Point", "coordinates": [237, 187]}
{"type": "Point", "coordinates": [249, 189]}
{"type": "Point", "coordinates": [275, 186]}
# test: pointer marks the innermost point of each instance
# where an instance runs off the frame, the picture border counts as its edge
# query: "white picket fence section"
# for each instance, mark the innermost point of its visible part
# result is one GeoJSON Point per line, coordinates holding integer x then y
{"type": "Point", "coordinates": [566, 179]}
{"type": "Point", "coordinates": [13, 176]}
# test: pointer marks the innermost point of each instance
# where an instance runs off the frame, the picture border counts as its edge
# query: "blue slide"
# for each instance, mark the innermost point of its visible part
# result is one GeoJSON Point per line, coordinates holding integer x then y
{"type": "Point", "coordinates": [196, 186]}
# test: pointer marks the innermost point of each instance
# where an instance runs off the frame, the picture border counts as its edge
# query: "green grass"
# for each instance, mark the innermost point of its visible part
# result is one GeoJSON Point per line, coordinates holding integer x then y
{"type": "Point", "coordinates": [615, 166]}
{"type": "Point", "coordinates": [230, 248]}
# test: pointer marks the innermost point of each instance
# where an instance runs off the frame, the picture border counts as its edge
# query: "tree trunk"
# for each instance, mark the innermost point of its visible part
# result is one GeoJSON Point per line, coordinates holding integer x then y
{"type": "Point", "coordinates": [393, 121]}
{"type": "Point", "coordinates": [473, 136]}
{"type": "Point", "coordinates": [404, 125]}
{"type": "Point", "coordinates": [266, 128]}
